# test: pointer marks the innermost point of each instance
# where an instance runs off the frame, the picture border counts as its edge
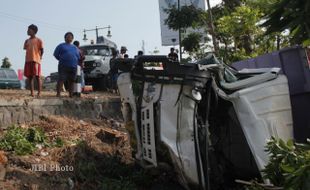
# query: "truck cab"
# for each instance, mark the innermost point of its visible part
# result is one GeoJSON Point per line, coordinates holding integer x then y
{"type": "Point", "coordinates": [97, 63]}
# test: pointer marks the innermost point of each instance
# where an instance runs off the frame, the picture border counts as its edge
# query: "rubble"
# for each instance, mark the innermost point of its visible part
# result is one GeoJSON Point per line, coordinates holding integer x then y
{"type": "Point", "coordinates": [95, 155]}
{"type": "Point", "coordinates": [33, 170]}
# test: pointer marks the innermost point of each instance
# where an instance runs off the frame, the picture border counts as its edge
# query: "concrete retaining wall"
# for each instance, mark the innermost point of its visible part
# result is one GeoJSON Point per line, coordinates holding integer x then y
{"type": "Point", "coordinates": [20, 111]}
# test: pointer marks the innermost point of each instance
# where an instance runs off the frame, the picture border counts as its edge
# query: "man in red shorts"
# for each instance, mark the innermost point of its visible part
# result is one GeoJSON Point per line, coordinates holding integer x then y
{"type": "Point", "coordinates": [34, 52]}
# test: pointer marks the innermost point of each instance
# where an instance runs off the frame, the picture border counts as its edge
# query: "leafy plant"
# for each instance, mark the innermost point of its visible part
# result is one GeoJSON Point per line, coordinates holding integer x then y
{"type": "Point", "coordinates": [59, 142]}
{"type": "Point", "coordinates": [290, 15]}
{"type": "Point", "coordinates": [22, 141]}
{"type": "Point", "coordinates": [35, 135]}
{"type": "Point", "coordinates": [289, 164]}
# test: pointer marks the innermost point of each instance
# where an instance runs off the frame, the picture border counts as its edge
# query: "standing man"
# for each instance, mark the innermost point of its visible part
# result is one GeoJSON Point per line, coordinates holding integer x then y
{"type": "Point", "coordinates": [81, 62]}
{"type": "Point", "coordinates": [172, 55]}
{"type": "Point", "coordinates": [68, 56]}
{"type": "Point", "coordinates": [34, 53]}
{"type": "Point", "coordinates": [123, 53]}
{"type": "Point", "coordinates": [113, 72]}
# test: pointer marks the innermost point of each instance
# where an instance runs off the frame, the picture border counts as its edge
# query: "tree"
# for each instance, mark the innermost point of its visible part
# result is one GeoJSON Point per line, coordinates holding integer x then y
{"type": "Point", "coordinates": [189, 17]}
{"type": "Point", "coordinates": [236, 30]}
{"type": "Point", "coordinates": [155, 51]}
{"type": "Point", "coordinates": [6, 63]}
{"type": "Point", "coordinates": [212, 30]}
{"type": "Point", "coordinates": [239, 30]}
{"type": "Point", "coordinates": [231, 4]}
{"type": "Point", "coordinates": [291, 15]}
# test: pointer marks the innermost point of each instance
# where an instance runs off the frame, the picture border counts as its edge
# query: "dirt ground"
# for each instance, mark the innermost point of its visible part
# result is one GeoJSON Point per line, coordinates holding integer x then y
{"type": "Point", "coordinates": [85, 144]}
{"type": "Point", "coordinates": [92, 154]}
{"type": "Point", "coordinates": [25, 94]}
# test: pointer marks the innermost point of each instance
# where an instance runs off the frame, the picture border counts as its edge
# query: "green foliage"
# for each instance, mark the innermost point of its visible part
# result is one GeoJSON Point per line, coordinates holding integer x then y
{"type": "Point", "coordinates": [187, 16]}
{"type": "Point", "coordinates": [231, 4]}
{"type": "Point", "coordinates": [35, 135]}
{"type": "Point", "coordinates": [239, 28]}
{"type": "Point", "coordinates": [291, 15]}
{"type": "Point", "coordinates": [59, 142]}
{"type": "Point", "coordinates": [306, 43]}
{"type": "Point", "coordinates": [263, 5]}
{"type": "Point", "coordinates": [289, 164]}
{"type": "Point", "coordinates": [239, 31]}
{"type": "Point", "coordinates": [6, 63]}
{"type": "Point", "coordinates": [191, 42]}
{"type": "Point", "coordinates": [22, 141]}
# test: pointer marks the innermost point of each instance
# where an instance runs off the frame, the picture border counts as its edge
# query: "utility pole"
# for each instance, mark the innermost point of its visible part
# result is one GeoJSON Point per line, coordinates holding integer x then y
{"type": "Point", "coordinates": [212, 31]}
{"type": "Point", "coordinates": [180, 32]}
{"type": "Point", "coordinates": [97, 35]}
{"type": "Point", "coordinates": [143, 46]}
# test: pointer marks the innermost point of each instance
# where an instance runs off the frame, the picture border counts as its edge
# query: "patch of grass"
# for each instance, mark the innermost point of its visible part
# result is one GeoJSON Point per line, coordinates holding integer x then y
{"type": "Point", "coordinates": [22, 141]}
{"type": "Point", "coordinates": [36, 135]}
{"type": "Point", "coordinates": [58, 142]}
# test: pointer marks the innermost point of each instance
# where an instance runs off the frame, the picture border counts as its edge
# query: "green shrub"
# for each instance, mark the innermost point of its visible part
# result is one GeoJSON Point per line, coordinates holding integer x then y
{"type": "Point", "coordinates": [58, 142]}
{"type": "Point", "coordinates": [289, 164]}
{"type": "Point", "coordinates": [22, 141]}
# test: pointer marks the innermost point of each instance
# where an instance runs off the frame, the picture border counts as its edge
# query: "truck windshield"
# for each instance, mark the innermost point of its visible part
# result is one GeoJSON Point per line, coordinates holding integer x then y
{"type": "Point", "coordinates": [96, 50]}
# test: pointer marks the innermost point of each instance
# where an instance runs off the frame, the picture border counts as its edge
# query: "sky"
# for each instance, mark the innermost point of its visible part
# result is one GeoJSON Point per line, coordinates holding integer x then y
{"type": "Point", "coordinates": [131, 21]}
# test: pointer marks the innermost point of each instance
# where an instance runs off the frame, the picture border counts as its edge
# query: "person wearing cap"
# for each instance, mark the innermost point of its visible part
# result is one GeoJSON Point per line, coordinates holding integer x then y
{"type": "Point", "coordinates": [123, 53]}
{"type": "Point", "coordinates": [68, 56]}
{"type": "Point", "coordinates": [34, 53]}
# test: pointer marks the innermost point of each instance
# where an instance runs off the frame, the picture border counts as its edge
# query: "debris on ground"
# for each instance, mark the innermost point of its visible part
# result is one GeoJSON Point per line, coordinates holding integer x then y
{"type": "Point", "coordinates": [77, 154]}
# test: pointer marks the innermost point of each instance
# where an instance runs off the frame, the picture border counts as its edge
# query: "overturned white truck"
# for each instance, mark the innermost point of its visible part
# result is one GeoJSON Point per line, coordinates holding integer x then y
{"type": "Point", "coordinates": [205, 119]}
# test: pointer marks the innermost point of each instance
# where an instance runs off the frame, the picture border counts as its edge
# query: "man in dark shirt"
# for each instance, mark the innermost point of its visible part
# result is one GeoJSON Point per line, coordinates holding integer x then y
{"type": "Point", "coordinates": [172, 55]}
{"type": "Point", "coordinates": [68, 56]}
{"type": "Point", "coordinates": [113, 72]}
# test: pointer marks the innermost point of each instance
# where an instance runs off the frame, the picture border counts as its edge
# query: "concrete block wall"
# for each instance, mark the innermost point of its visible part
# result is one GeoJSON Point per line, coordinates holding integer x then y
{"type": "Point", "coordinates": [26, 110]}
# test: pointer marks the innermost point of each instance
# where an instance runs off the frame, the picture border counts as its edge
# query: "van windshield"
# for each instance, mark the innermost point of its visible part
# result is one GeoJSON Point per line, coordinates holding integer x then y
{"type": "Point", "coordinates": [96, 50]}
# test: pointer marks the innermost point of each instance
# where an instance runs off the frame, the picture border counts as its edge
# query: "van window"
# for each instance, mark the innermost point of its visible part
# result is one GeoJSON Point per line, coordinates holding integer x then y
{"type": "Point", "coordinates": [11, 74]}
{"type": "Point", "coordinates": [2, 74]}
